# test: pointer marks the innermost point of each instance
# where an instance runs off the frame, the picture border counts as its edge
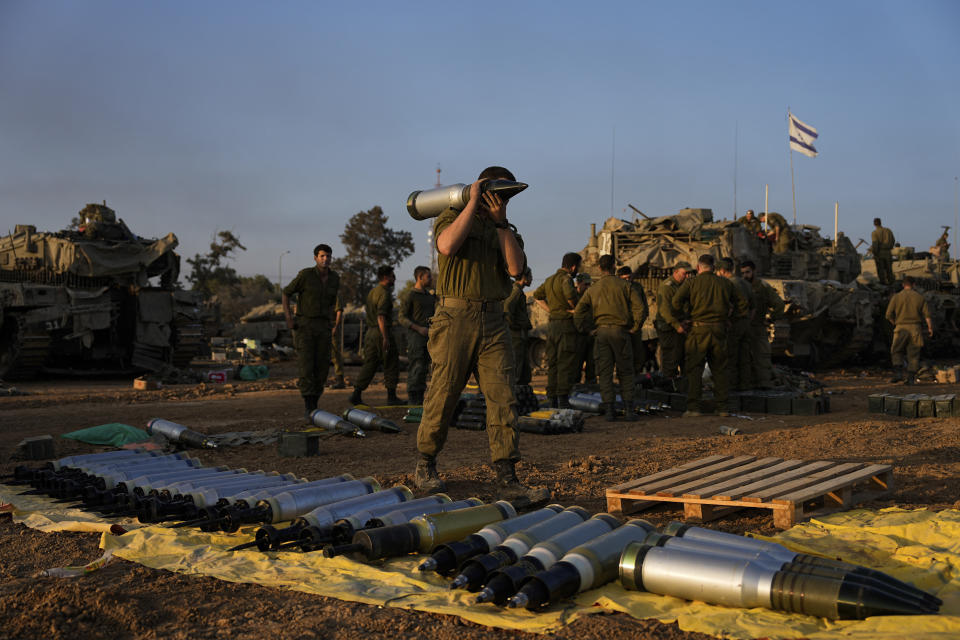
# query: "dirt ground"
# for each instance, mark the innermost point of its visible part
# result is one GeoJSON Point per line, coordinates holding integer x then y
{"type": "Point", "coordinates": [125, 600]}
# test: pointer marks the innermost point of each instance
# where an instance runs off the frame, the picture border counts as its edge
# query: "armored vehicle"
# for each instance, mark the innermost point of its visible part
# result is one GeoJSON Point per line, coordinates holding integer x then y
{"type": "Point", "coordinates": [95, 298]}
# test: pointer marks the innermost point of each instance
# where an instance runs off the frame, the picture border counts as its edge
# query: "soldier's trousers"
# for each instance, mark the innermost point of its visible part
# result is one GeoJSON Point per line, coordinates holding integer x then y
{"type": "Point", "coordinates": [561, 356]}
{"type": "Point", "coordinates": [375, 357]}
{"type": "Point", "coordinates": [418, 360]}
{"type": "Point", "coordinates": [738, 355]}
{"type": "Point", "coordinates": [335, 352]}
{"type": "Point", "coordinates": [465, 338]}
{"type": "Point", "coordinates": [585, 361]}
{"type": "Point", "coordinates": [639, 351]}
{"type": "Point", "coordinates": [671, 351]}
{"type": "Point", "coordinates": [907, 343]}
{"type": "Point", "coordinates": [312, 341]}
{"type": "Point", "coordinates": [521, 359]}
{"type": "Point", "coordinates": [707, 344]}
{"type": "Point", "coordinates": [614, 347]}
{"type": "Point", "coordinates": [884, 268]}
{"type": "Point", "coordinates": [761, 366]}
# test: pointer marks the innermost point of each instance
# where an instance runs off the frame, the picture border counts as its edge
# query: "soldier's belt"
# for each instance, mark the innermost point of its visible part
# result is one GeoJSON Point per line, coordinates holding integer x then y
{"type": "Point", "coordinates": [708, 324]}
{"type": "Point", "coordinates": [486, 306]}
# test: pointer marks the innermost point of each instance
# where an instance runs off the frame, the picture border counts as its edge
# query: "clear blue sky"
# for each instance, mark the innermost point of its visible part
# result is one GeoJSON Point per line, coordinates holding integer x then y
{"type": "Point", "coordinates": [280, 120]}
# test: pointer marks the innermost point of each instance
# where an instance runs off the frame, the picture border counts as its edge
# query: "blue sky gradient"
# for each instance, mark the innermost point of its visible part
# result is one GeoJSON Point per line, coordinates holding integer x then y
{"type": "Point", "coordinates": [279, 121]}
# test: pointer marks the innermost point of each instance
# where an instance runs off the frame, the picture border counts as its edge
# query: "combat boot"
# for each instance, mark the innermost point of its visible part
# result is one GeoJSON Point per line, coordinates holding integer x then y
{"type": "Point", "coordinates": [610, 411]}
{"type": "Point", "coordinates": [897, 375]}
{"type": "Point", "coordinates": [425, 477]}
{"type": "Point", "coordinates": [510, 489]}
{"type": "Point", "coordinates": [339, 383]}
{"type": "Point", "coordinates": [355, 397]}
{"type": "Point", "coordinates": [628, 411]}
{"type": "Point", "coordinates": [415, 397]}
{"type": "Point", "coordinates": [394, 400]}
{"type": "Point", "coordinates": [309, 406]}
{"type": "Point", "coordinates": [911, 377]}
{"type": "Point", "coordinates": [563, 402]}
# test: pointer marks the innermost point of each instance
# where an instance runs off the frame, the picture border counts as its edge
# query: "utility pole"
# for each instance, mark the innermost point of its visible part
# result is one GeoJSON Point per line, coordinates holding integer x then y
{"type": "Point", "coordinates": [280, 269]}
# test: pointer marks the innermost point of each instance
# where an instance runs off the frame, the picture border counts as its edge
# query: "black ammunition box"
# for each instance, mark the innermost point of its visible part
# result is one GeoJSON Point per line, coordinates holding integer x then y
{"type": "Point", "coordinates": [806, 406]}
{"type": "Point", "coordinates": [298, 444]}
{"type": "Point", "coordinates": [35, 448]}
{"type": "Point", "coordinates": [678, 401]}
{"type": "Point", "coordinates": [780, 405]}
{"type": "Point", "coordinates": [753, 403]}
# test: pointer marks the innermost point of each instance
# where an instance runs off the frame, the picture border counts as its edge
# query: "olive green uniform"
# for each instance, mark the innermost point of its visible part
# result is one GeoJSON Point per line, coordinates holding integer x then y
{"type": "Point", "coordinates": [379, 303]}
{"type": "Point", "coordinates": [335, 352]}
{"type": "Point", "coordinates": [615, 307]}
{"type": "Point", "coordinates": [518, 319]}
{"type": "Point", "coordinates": [711, 301]}
{"type": "Point", "coordinates": [636, 338]}
{"type": "Point", "coordinates": [417, 309]}
{"type": "Point", "coordinates": [738, 340]}
{"type": "Point", "coordinates": [585, 362]}
{"type": "Point", "coordinates": [907, 312]}
{"type": "Point", "coordinates": [765, 298]}
{"type": "Point", "coordinates": [784, 240]}
{"type": "Point", "coordinates": [557, 291]}
{"type": "Point", "coordinates": [469, 332]}
{"type": "Point", "coordinates": [667, 323]}
{"type": "Point", "coordinates": [882, 242]}
{"type": "Point", "coordinates": [316, 304]}
{"type": "Point", "coordinates": [753, 225]}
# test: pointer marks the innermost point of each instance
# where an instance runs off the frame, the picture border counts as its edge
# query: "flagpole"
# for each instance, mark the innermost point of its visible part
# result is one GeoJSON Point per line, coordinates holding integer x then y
{"type": "Point", "coordinates": [793, 188]}
{"type": "Point", "coordinates": [836, 223]}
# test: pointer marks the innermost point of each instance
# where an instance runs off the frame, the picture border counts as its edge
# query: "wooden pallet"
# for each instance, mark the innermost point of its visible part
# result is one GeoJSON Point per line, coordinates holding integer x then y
{"type": "Point", "coordinates": [793, 489]}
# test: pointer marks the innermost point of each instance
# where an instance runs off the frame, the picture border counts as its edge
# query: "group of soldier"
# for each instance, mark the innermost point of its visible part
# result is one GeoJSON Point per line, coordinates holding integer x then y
{"type": "Point", "coordinates": [477, 322]}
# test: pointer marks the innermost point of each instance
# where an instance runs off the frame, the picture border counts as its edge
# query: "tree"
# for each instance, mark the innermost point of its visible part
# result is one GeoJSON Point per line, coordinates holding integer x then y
{"type": "Point", "coordinates": [209, 274]}
{"type": "Point", "coordinates": [369, 244]}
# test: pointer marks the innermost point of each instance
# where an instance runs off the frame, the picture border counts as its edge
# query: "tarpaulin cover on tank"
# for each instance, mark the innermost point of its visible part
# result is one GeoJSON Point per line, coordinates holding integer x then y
{"type": "Point", "coordinates": [921, 547]}
{"type": "Point", "coordinates": [99, 259]}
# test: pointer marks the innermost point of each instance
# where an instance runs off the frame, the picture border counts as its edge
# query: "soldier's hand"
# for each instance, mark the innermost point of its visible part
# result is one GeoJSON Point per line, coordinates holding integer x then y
{"type": "Point", "coordinates": [423, 331]}
{"type": "Point", "coordinates": [386, 345]}
{"type": "Point", "coordinates": [681, 329]}
{"type": "Point", "coordinates": [495, 206]}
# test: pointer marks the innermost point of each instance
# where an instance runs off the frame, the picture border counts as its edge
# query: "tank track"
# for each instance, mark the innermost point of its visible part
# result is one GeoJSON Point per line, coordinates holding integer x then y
{"type": "Point", "coordinates": [23, 351]}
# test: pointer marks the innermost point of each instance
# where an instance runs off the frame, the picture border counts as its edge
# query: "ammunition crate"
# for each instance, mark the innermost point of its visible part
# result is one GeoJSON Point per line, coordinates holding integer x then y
{"type": "Point", "coordinates": [655, 395]}
{"type": "Point", "coordinates": [733, 401]}
{"type": "Point", "coordinates": [35, 448]}
{"type": "Point", "coordinates": [753, 403]}
{"type": "Point", "coordinates": [678, 401]}
{"type": "Point", "coordinates": [298, 444]}
{"type": "Point", "coordinates": [780, 405]}
{"type": "Point", "coordinates": [806, 406]}
{"type": "Point", "coordinates": [945, 405]}
{"type": "Point", "coordinates": [875, 402]}
{"type": "Point", "coordinates": [908, 405]}
{"type": "Point", "coordinates": [926, 407]}
{"type": "Point", "coordinates": [891, 405]}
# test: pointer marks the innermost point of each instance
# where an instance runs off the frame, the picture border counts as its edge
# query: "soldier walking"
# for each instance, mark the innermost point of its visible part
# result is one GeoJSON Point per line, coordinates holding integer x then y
{"type": "Point", "coordinates": [518, 318]}
{"type": "Point", "coordinates": [671, 331]}
{"type": "Point", "coordinates": [615, 308]}
{"type": "Point", "coordinates": [558, 297]}
{"type": "Point", "coordinates": [712, 302]}
{"type": "Point", "coordinates": [765, 299]}
{"type": "Point", "coordinates": [317, 289]}
{"type": "Point", "coordinates": [738, 343]}
{"type": "Point", "coordinates": [415, 315]}
{"type": "Point", "coordinates": [478, 253]}
{"type": "Point", "coordinates": [907, 312]}
{"type": "Point", "coordinates": [882, 242]}
{"type": "Point", "coordinates": [636, 337]}
{"type": "Point", "coordinates": [379, 344]}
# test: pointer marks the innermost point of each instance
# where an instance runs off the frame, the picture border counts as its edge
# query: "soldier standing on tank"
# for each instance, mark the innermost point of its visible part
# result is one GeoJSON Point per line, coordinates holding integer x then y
{"type": "Point", "coordinates": [636, 337]}
{"type": "Point", "coordinates": [479, 252]}
{"type": "Point", "coordinates": [415, 315]}
{"type": "Point", "coordinates": [585, 367]}
{"type": "Point", "coordinates": [379, 344]}
{"type": "Point", "coordinates": [750, 222]}
{"type": "Point", "coordinates": [778, 231]}
{"type": "Point", "coordinates": [712, 302]}
{"type": "Point", "coordinates": [671, 329]}
{"type": "Point", "coordinates": [942, 247]}
{"type": "Point", "coordinates": [614, 307]}
{"type": "Point", "coordinates": [317, 289]}
{"type": "Point", "coordinates": [335, 351]}
{"type": "Point", "coordinates": [881, 247]}
{"type": "Point", "coordinates": [738, 342]}
{"type": "Point", "coordinates": [765, 299]}
{"type": "Point", "coordinates": [907, 312]}
{"type": "Point", "coordinates": [518, 318]}
{"type": "Point", "coordinates": [558, 297]}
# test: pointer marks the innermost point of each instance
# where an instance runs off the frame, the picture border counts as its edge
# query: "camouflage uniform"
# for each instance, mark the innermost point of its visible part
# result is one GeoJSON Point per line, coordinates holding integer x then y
{"type": "Point", "coordinates": [557, 290]}
{"type": "Point", "coordinates": [615, 307]}
{"type": "Point", "coordinates": [907, 312]}
{"type": "Point", "coordinates": [882, 248]}
{"type": "Point", "coordinates": [417, 309]}
{"type": "Point", "coordinates": [738, 340]}
{"type": "Point", "coordinates": [518, 319]}
{"type": "Point", "coordinates": [666, 323]}
{"type": "Point", "coordinates": [469, 332]}
{"type": "Point", "coordinates": [316, 304]}
{"type": "Point", "coordinates": [775, 220]}
{"type": "Point", "coordinates": [765, 298]}
{"type": "Point", "coordinates": [379, 303]}
{"type": "Point", "coordinates": [636, 338]}
{"type": "Point", "coordinates": [712, 301]}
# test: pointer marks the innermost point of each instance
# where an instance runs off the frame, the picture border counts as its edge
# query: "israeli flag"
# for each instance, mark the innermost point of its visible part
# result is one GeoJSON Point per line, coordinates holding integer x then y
{"type": "Point", "coordinates": [802, 137]}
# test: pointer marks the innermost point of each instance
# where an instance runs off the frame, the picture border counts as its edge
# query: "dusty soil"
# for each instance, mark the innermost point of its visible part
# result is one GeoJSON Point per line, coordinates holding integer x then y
{"type": "Point", "coordinates": [125, 600]}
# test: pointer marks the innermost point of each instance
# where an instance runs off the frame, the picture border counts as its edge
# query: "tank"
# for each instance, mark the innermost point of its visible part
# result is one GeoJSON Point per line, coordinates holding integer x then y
{"type": "Point", "coordinates": [830, 315]}
{"type": "Point", "coordinates": [95, 298]}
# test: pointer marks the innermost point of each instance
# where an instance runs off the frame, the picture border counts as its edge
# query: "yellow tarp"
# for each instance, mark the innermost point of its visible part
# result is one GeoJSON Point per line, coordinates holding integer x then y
{"type": "Point", "coordinates": [920, 547]}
